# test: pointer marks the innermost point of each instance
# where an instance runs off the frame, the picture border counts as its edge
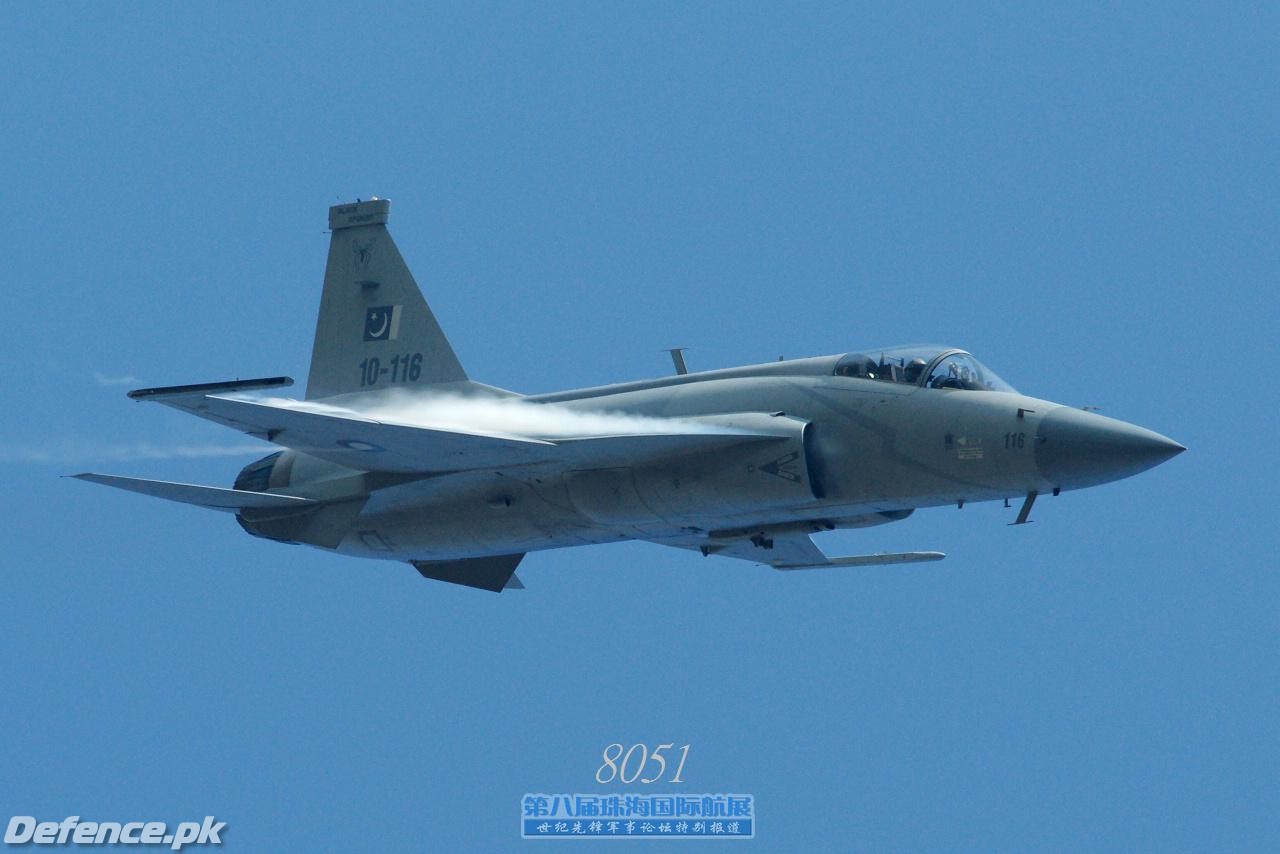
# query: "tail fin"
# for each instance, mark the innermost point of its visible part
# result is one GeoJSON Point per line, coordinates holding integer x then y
{"type": "Point", "coordinates": [375, 330]}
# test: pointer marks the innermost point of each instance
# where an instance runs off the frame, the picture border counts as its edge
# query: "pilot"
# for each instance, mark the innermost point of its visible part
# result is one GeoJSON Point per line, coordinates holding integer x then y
{"type": "Point", "coordinates": [914, 369]}
{"type": "Point", "coordinates": [860, 366]}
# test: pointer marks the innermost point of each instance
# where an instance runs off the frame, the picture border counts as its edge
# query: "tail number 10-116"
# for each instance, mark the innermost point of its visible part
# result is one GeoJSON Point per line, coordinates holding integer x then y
{"type": "Point", "coordinates": [405, 368]}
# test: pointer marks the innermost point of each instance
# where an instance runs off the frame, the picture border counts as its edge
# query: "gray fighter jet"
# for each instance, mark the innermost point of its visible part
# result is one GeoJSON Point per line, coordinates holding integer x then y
{"type": "Point", "coordinates": [395, 453]}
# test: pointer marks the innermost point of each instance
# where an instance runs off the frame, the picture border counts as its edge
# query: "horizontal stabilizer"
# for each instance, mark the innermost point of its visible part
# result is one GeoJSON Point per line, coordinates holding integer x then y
{"type": "Point", "coordinates": [212, 497]}
{"type": "Point", "coordinates": [486, 573]}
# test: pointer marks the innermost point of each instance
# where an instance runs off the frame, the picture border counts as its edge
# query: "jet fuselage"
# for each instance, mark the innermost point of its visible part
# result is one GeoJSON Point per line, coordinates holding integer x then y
{"type": "Point", "coordinates": [395, 453]}
{"type": "Point", "coordinates": [870, 452]}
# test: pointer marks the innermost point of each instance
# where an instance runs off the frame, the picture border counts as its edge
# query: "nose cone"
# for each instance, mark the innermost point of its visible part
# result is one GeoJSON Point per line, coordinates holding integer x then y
{"type": "Point", "coordinates": [1075, 448]}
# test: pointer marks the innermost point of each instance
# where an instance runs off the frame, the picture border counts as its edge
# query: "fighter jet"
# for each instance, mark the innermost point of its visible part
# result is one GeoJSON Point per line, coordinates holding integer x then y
{"type": "Point", "coordinates": [396, 453]}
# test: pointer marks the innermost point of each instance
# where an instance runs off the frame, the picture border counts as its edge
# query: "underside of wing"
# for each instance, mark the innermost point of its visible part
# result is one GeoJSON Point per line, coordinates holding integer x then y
{"type": "Point", "coordinates": [795, 549]}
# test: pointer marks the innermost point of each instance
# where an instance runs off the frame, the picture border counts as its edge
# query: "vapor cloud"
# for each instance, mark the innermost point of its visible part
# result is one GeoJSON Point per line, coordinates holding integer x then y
{"type": "Point", "coordinates": [105, 381]}
{"type": "Point", "coordinates": [68, 452]}
{"type": "Point", "coordinates": [500, 416]}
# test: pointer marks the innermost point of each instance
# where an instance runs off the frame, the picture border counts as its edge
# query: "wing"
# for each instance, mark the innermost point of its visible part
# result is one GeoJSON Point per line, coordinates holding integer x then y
{"type": "Point", "coordinates": [351, 439]}
{"type": "Point", "coordinates": [212, 497]}
{"type": "Point", "coordinates": [358, 442]}
{"type": "Point", "coordinates": [791, 550]}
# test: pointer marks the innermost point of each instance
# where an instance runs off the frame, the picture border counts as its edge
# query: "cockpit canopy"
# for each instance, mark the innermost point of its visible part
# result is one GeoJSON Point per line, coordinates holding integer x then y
{"type": "Point", "coordinates": [934, 367]}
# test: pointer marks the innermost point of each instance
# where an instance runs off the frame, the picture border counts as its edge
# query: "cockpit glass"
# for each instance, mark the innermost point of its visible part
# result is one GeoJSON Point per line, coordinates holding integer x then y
{"type": "Point", "coordinates": [960, 370]}
{"type": "Point", "coordinates": [934, 367]}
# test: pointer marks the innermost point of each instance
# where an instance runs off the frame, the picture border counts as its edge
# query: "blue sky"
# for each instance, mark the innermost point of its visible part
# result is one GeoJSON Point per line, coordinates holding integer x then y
{"type": "Point", "coordinates": [1086, 199]}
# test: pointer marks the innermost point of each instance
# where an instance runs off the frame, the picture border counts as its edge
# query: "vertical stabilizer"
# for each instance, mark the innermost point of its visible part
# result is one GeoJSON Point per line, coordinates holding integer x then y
{"type": "Point", "coordinates": [375, 330]}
